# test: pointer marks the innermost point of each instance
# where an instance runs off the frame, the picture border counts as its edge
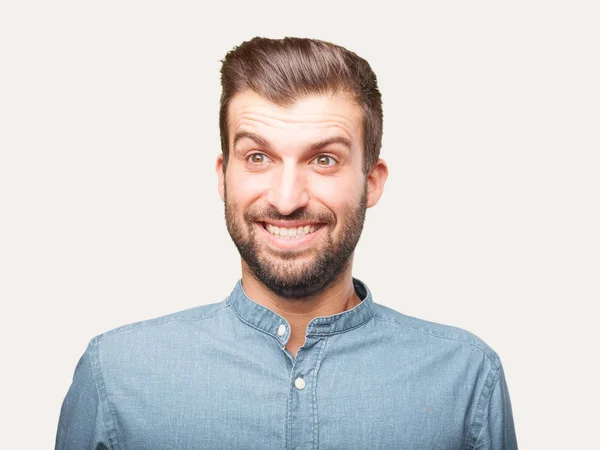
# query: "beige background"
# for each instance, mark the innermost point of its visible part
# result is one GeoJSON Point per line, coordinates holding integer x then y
{"type": "Point", "coordinates": [489, 221]}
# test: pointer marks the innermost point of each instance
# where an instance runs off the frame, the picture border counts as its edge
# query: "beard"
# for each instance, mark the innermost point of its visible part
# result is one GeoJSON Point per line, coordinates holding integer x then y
{"type": "Point", "coordinates": [282, 272]}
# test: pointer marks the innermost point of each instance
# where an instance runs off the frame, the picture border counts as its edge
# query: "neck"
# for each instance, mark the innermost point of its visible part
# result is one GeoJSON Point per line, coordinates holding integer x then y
{"type": "Point", "coordinates": [336, 298]}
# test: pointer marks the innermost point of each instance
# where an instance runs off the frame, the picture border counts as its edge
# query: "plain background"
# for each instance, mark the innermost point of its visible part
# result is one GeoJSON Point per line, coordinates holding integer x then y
{"type": "Point", "coordinates": [489, 220]}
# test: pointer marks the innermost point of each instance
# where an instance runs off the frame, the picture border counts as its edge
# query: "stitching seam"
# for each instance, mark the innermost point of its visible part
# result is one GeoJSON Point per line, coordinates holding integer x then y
{"type": "Point", "coordinates": [480, 411]}
{"type": "Point", "coordinates": [492, 359]}
{"type": "Point", "coordinates": [109, 420]}
{"type": "Point", "coordinates": [152, 322]}
{"type": "Point", "coordinates": [315, 405]}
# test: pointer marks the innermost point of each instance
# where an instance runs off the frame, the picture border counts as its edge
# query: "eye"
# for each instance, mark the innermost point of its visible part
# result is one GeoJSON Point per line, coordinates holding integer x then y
{"type": "Point", "coordinates": [258, 158]}
{"type": "Point", "coordinates": [325, 161]}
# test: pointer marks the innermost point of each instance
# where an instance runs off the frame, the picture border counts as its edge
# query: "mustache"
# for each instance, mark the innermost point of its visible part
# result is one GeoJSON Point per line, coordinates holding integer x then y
{"type": "Point", "coordinates": [300, 214]}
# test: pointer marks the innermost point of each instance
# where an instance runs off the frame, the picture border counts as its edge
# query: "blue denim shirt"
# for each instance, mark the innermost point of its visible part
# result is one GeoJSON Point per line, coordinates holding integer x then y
{"type": "Point", "coordinates": [219, 376]}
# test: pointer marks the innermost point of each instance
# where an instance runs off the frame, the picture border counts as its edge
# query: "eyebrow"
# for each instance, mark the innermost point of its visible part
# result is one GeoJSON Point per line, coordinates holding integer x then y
{"type": "Point", "coordinates": [314, 146]}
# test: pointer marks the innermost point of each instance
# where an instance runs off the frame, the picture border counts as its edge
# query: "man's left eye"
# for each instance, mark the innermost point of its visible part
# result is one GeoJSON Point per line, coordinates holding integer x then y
{"type": "Point", "coordinates": [325, 160]}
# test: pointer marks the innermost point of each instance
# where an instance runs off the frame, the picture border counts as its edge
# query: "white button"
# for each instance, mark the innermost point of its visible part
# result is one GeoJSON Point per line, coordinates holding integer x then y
{"type": "Point", "coordinates": [281, 330]}
{"type": "Point", "coordinates": [299, 383]}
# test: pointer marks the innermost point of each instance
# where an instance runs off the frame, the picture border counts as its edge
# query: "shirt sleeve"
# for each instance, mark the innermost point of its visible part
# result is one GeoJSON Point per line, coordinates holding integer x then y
{"type": "Point", "coordinates": [497, 431]}
{"type": "Point", "coordinates": [81, 424]}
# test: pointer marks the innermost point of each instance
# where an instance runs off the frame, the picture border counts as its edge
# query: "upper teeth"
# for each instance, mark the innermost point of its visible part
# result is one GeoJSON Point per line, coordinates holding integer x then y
{"type": "Point", "coordinates": [291, 232]}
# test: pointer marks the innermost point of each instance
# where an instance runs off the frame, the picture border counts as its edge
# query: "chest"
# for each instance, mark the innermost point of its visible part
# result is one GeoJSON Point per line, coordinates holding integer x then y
{"type": "Point", "coordinates": [264, 399]}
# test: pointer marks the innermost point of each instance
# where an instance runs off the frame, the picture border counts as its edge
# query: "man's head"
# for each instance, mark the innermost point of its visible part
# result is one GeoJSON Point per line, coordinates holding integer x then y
{"type": "Point", "coordinates": [301, 127]}
{"type": "Point", "coordinates": [285, 70]}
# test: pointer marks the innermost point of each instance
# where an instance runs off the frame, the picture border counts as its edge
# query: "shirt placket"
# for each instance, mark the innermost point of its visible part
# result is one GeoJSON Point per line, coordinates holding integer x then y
{"type": "Point", "coordinates": [302, 424]}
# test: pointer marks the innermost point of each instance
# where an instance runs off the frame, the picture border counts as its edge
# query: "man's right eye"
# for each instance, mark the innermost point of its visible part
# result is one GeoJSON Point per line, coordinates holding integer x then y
{"type": "Point", "coordinates": [258, 158]}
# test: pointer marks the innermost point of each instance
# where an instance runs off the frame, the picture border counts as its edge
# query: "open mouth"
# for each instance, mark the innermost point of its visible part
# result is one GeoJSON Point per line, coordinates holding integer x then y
{"type": "Point", "coordinates": [291, 232]}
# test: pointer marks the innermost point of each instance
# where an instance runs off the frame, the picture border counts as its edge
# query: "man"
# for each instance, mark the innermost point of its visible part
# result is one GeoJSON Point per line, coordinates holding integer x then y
{"type": "Point", "coordinates": [298, 356]}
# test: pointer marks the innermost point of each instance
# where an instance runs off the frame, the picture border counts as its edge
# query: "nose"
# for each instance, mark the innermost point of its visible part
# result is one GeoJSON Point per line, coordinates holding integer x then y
{"type": "Point", "coordinates": [288, 191]}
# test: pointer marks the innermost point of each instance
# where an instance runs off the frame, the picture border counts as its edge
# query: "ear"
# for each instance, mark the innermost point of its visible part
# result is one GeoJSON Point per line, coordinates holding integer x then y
{"type": "Point", "coordinates": [376, 181]}
{"type": "Point", "coordinates": [221, 176]}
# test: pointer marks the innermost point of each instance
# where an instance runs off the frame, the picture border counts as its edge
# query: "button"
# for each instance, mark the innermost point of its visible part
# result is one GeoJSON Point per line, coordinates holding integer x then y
{"type": "Point", "coordinates": [281, 330]}
{"type": "Point", "coordinates": [299, 383]}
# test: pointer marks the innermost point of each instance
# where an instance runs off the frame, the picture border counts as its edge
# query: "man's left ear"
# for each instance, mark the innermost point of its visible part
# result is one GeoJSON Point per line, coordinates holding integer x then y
{"type": "Point", "coordinates": [375, 182]}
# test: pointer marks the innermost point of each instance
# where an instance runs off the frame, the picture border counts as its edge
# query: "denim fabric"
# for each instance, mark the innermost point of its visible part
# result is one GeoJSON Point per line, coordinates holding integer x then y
{"type": "Point", "coordinates": [219, 376]}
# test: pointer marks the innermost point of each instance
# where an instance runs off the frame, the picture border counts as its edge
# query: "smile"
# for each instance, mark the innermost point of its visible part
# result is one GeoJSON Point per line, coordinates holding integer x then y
{"type": "Point", "coordinates": [297, 237]}
{"type": "Point", "coordinates": [291, 232]}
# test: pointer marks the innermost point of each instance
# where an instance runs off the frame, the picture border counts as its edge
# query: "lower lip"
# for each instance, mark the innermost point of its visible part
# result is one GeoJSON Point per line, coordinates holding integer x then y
{"type": "Point", "coordinates": [291, 243]}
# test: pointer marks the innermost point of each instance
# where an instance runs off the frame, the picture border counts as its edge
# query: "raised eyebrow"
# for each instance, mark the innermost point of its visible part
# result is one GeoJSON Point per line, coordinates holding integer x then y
{"type": "Point", "coordinates": [252, 136]}
{"type": "Point", "coordinates": [315, 146]}
{"type": "Point", "coordinates": [334, 140]}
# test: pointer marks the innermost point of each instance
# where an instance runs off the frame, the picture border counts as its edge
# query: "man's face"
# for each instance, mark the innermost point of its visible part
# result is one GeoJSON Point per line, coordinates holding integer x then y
{"type": "Point", "coordinates": [295, 193]}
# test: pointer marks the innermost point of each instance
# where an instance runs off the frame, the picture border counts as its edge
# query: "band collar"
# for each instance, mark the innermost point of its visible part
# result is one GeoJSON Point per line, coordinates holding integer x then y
{"type": "Point", "coordinates": [270, 322]}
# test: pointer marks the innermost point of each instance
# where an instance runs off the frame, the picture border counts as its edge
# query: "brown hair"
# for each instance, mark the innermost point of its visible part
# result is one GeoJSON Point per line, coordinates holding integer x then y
{"type": "Point", "coordinates": [284, 70]}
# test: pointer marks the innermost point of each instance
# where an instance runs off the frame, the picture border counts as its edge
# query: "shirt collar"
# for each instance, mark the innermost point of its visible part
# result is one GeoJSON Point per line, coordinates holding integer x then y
{"type": "Point", "coordinates": [264, 319]}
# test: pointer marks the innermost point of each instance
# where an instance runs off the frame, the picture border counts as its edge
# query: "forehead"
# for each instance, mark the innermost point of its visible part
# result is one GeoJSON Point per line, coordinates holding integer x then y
{"type": "Point", "coordinates": [312, 116]}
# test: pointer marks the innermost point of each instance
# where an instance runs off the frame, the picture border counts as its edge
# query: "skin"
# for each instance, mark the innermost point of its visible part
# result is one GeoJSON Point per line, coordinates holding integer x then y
{"type": "Point", "coordinates": [283, 179]}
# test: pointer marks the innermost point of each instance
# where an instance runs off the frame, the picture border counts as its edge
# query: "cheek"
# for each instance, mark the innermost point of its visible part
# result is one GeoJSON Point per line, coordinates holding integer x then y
{"type": "Point", "coordinates": [242, 188]}
{"type": "Point", "coordinates": [336, 192]}
{"type": "Point", "coordinates": [255, 185]}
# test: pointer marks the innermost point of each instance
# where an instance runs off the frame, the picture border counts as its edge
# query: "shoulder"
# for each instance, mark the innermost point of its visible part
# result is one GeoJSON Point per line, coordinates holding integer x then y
{"type": "Point", "coordinates": [150, 330]}
{"type": "Point", "coordinates": [438, 334]}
